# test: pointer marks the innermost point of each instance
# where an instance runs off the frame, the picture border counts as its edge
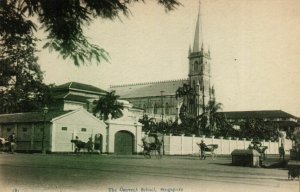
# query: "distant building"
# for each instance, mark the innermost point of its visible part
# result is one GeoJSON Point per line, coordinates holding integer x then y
{"type": "Point", "coordinates": [158, 99]}
{"type": "Point", "coordinates": [282, 120]}
{"type": "Point", "coordinates": [74, 95]}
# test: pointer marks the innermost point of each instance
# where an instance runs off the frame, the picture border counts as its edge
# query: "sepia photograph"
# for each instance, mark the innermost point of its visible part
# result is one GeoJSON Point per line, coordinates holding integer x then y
{"type": "Point", "coordinates": [149, 95]}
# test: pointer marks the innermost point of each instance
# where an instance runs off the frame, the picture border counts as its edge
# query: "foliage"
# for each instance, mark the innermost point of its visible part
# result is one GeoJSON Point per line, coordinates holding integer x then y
{"type": "Point", "coordinates": [108, 104]}
{"type": "Point", "coordinates": [224, 128]}
{"type": "Point", "coordinates": [186, 93]}
{"type": "Point", "coordinates": [259, 129]}
{"type": "Point", "coordinates": [63, 22]}
{"type": "Point", "coordinates": [148, 124]}
{"type": "Point", "coordinates": [215, 119]}
{"type": "Point", "coordinates": [21, 86]}
{"type": "Point", "coordinates": [202, 124]}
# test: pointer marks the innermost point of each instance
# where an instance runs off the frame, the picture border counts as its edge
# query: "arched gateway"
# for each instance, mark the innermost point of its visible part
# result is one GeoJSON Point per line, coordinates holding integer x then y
{"type": "Point", "coordinates": [124, 134]}
{"type": "Point", "coordinates": [124, 143]}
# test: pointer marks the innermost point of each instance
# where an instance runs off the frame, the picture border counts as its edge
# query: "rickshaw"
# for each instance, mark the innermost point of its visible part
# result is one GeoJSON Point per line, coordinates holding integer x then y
{"type": "Point", "coordinates": [257, 145]}
{"type": "Point", "coordinates": [210, 149]}
{"type": "Point", "coordinates": [152, 144]}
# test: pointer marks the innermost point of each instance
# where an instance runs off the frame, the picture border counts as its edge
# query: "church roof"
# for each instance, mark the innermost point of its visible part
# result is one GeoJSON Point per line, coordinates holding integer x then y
{"type": "Point", "coordinates": [150, 89]}
{"type": "Point", "coordinates": [79, 87]}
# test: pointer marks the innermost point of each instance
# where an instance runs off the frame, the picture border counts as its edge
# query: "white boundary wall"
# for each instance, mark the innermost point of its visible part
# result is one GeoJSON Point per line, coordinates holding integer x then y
{"type": "Point", "coordinates": [187, 145]}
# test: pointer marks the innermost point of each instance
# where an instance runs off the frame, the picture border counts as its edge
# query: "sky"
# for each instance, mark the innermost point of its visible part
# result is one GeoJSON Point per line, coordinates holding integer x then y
{"type": "Point", "coordinates": [254, 44]}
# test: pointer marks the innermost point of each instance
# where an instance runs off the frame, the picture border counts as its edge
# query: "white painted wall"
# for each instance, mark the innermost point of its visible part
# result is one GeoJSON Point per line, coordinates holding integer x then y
{"type": "Point", "coordinates": [187, 145]}
{"type": "Point", "coordinates": [74, 122]}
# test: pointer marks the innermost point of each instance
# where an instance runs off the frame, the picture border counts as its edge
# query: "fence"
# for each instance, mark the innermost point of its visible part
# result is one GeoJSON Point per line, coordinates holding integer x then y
{"type": "Point", "coordinates": [187, 145]}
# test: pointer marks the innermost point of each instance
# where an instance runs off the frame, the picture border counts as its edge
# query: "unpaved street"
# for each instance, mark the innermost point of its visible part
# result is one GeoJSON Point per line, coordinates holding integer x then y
{"type": "Point", "coordinates": [36, 172]}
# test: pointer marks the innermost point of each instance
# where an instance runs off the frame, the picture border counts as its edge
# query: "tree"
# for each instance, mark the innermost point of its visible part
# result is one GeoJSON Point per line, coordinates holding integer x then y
{"type": "Point", "coordinates": [108, 104]}
{"type": "Point", "coordinates": [186, 93]}
{"type": "Point", "coordinates": [148, 124]}
{"type": "Point", "coordinates": [257, 129]}
{"type": "Point", "coordinates": [63, 22]}
{"type": "Point", "coordinates": [201, 122]}
{"type": "Point", "coordinates": [224, 128]}
{"type": "Point", "coordinates": [215, 118]}
{"type": "Point", "coordinates": [21, 79]}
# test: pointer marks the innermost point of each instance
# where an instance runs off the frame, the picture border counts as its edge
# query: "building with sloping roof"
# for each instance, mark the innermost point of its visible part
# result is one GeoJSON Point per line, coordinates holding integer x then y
{"type": "Point", "coordinates": [283, 120]}
{"type": "Point", "coordinates": [54, 129]}
{"type": "Point", "coordinates": [275, 115]}
{"type": "Point", "coordinates": [73, 95]}
{"type": "Point", "coordinates": [158, 99]}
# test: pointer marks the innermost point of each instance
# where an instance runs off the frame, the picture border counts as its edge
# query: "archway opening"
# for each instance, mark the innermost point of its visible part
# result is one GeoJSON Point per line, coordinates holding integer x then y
{"type": "Point", "coordinates": [124, 143]}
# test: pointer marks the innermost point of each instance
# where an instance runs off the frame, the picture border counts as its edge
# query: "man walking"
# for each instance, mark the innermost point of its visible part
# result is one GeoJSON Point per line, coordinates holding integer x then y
{"type": "Point", "coordinates": [281, 152]}
{"type": "Point", "coordinates": [12, 142]}
{"type": "Point", "coordinates": [202, 146]}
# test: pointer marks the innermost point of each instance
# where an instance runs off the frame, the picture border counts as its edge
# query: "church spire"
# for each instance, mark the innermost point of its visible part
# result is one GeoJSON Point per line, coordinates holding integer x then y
{"type": "Point", "coordinates": [198, 38]}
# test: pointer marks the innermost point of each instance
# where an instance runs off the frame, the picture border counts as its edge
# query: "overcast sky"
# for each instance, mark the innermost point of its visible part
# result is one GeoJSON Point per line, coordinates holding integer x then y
{"type": "Point", "coordinates": [255, 49]}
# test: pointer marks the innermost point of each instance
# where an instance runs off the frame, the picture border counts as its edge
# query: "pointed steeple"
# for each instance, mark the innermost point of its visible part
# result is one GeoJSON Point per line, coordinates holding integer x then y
{"type": "Point", "coordinates": [198, 38]}
{"type": "Point", "coordinates": [190, 49]}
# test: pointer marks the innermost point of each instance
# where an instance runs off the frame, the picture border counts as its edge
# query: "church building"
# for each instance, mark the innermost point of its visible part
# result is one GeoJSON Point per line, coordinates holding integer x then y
{"type": "Point", "coordinates": [160, 99]}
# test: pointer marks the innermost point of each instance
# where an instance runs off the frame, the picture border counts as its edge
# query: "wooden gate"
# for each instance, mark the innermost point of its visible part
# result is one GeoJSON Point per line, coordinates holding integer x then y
{"type": "Point", "coordinates": [124, 143]}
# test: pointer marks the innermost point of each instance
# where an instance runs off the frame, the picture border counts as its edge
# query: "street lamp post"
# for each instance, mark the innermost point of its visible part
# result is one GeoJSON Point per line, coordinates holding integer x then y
{"type": "Point", "coordinates": [162, 105]}
{"type": "Point", "coordinates": [45, 111]}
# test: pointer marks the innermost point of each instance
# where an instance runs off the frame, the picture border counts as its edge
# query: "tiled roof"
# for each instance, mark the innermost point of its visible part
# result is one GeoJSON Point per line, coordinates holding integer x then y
{"type": "Point", "coordinates": [257, 114]}
{"type": "Point", "coordinates": [150, 89]}
{"type": "Point", "coordinates": [79, 86]}
{"type": "Point", "coordinates": [30, 117]}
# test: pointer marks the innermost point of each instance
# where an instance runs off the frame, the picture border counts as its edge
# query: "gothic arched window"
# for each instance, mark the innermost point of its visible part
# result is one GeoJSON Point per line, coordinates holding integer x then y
{"type": "Point", "coordinates": [191, 106]}
{"type": "Point", "coordinates": [155, 109]}
{"type": "Point", "coordinates": [167, 109]}
{"type": "Point", "coordinates": [196, 66]}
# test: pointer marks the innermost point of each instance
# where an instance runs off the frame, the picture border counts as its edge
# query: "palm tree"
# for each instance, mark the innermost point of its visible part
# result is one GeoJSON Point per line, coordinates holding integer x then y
{"type": "Point", "coordinates": [186, 93]}
{"type": "Point", "coordinates": [214, 118]}
{"type": "Point", "coordinates": [201, 124]}
{"type": "Point", "coordinates": [108, 105]}
{"type": "Point", "coordinates": [149, 124]}
{"type": "Point", "coordinates": [213, 108]}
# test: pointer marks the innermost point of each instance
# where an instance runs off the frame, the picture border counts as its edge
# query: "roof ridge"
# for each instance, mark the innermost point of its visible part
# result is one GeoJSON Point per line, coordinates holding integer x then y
{"type": "Point", "coordinates": [67, 95]}
{"type": "Point", "coordinates": [146, 83]}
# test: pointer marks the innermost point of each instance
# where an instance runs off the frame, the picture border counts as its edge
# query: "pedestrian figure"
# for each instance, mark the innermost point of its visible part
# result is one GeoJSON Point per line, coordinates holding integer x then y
{"type": "Point", "coordinates": [202, 146]}
{"type": "Point", "coordinates": [12, 142]}
{"type": "Point", "coordinates": [90, 144]}
{"type": "Point", "coordinates": [281, 152]}
{"type": "Point", "coordinates": [76, 143]}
